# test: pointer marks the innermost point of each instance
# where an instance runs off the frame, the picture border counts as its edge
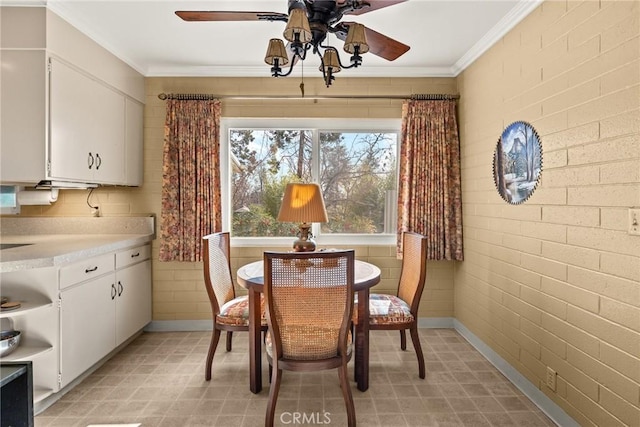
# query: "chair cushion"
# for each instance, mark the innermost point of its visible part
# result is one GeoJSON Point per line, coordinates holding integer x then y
{"type": "Point", "coordinates": [386, 310]}
{"type": "Point", "coordinates": [236, 312]}
{"type": "Point", "coordinates": [305, 348]}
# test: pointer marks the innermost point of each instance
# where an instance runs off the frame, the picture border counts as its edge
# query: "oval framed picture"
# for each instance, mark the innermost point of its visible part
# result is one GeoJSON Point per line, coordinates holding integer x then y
{"type": "Point", "coordinates": [517, 162]}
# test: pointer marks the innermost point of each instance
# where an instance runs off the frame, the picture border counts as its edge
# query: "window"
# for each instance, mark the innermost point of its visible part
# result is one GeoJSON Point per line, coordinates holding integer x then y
{"type": "Point", "coordinates": [9, 199]}
{"type": "Point", "coordinates": [354, 162]}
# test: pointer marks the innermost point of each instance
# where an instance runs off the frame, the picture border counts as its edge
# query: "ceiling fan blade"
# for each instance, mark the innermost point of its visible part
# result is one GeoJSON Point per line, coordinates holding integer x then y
{"type": "Point", "coordinates": [202, 15]}
{"type": "Point", "coordinates": [379, 44]}
{"type": "Point", "coordinates": [373, 5]}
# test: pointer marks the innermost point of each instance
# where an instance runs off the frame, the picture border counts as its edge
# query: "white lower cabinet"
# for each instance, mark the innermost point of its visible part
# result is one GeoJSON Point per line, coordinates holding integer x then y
{"type": "Point", "coordinates": [133, 301]}
{"type": "Point", "coordinates": [99, 314]}
{"type": "Point", "coordinates": [87, 325]}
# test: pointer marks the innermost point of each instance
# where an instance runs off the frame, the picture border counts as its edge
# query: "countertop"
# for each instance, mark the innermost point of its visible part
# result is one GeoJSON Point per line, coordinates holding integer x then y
{"type": "Point", "coordinates": [68, 239]}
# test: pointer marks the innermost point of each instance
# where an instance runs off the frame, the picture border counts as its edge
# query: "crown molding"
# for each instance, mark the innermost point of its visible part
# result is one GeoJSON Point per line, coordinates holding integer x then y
{"type": "Point", "coordinates": [517, 14]}
{"type": "Point", "coordinates": [225, 71]}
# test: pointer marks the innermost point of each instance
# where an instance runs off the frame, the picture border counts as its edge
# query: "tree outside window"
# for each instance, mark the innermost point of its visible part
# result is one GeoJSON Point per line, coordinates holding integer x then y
{"type": "Point", "coordinates": [357, 174]}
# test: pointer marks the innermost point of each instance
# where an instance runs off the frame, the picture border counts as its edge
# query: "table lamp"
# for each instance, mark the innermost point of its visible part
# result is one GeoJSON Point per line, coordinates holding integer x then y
{"type": "Point", "coordinates": [303, 203]}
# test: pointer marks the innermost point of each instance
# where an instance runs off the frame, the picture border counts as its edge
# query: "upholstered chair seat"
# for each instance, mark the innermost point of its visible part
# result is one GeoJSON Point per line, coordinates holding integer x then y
{"type": "Point", "coordinates": [387, 310]}
{"type": "Point", "coordinates": [236, 312]}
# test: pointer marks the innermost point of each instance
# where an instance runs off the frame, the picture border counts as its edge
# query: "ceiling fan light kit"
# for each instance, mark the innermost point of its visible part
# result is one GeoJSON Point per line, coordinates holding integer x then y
{"type": "Point", "coordinates": [308, 24]}
{"type": "Point", "coordinates": [301, 39]}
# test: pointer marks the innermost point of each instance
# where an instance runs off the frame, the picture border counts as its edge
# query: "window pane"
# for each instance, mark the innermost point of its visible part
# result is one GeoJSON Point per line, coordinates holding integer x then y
{"type": "Point", "coordinates": [9, 200]}
{"type": "Point", "coordinates": [358, 180]}
{"type": "Point", "coordinates": [266, 161]}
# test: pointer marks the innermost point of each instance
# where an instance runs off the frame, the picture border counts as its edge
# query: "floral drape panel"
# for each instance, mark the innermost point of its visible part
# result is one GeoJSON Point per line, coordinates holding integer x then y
{"type": "Point", "coordinates": [429, 196]}
{"type": "Point", "coordinates": [191, 205]}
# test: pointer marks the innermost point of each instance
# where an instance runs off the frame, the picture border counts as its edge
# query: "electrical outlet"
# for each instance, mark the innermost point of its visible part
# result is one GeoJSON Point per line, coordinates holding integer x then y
{"type": "Point", "coordinates": [551, 378]}
{"type": "Point", "coordinates": [634, 221]}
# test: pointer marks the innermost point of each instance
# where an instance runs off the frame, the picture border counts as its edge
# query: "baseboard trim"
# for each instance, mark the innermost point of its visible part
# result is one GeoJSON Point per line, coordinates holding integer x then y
{"type": "Point", "coordinates": [179, 326]}
{"type": "Point", "coordinates": [546, 405]}
{"type": "Point", "coordinates": [206, 325]}
{"type": "Point", "coordinates": [436, 322]}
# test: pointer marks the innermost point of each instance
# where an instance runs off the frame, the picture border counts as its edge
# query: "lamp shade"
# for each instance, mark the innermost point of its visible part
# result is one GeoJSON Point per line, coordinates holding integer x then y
{"type": "Point", "coordinates": [330, 61]}
{"type": "Point", "coordinates": [297, 24]}
{"type": "Point", "coordinates": [356, 37]}
{"type": "Point", "coordinates": [276, 50]}
{"type": "Point", "coordinates": [302, 203]}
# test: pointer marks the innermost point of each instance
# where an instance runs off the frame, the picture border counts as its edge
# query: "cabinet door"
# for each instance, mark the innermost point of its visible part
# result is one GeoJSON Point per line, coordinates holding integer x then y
{"type": "Point", "coordinates": [86, 128]}
{"type": "Point", "coordinates": [22, 122]}
{"type": "Point", "coordinates": [134, 119]}
{"type": "Point", "coordinates": [87, 325]}
{"type": "Point", "coordinates": [133, 307]}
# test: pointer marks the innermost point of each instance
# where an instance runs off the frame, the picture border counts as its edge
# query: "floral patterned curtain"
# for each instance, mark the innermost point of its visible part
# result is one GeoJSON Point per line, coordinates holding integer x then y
{"type": "Point", "coordinates": [429, 196]}
{"type": "Point", "coordinates": [191, 206]}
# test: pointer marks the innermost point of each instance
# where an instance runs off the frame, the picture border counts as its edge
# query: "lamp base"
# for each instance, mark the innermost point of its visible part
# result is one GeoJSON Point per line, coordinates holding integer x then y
{"type": "Point", "coordinates": [305, 243]}
{"type": "Point", "coordinates": [301, 245]}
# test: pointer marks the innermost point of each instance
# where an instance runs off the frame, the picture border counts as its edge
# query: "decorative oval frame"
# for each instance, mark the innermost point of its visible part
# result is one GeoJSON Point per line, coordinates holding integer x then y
{"type": "Point", "coordinates": [517, 162]}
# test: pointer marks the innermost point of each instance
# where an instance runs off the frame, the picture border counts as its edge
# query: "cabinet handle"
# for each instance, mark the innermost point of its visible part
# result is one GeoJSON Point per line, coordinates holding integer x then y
{"type": "Point", "coordinates": [90, 270]}
{"type": "Point", "coordinates": [113, 291]}
{"type": "Point", "coordinates": [98, 161]}
{"type": "Point", "coordinates": [137, 254]}
{"type": "Point", "coordinates": [120, 288]}
{"type": "Point", "coordinates": [90, 160]}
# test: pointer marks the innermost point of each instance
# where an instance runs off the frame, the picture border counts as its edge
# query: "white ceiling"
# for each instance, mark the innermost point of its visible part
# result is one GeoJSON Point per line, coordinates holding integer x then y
{"type": "Point", "coordinates": [445, 35]}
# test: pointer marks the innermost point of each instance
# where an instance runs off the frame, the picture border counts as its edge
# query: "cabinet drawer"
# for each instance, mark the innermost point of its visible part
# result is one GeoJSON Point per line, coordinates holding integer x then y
{"type": "Point", "coordinates": [132, 256]}
{"type": "Point", "coordinates": [85, 270]}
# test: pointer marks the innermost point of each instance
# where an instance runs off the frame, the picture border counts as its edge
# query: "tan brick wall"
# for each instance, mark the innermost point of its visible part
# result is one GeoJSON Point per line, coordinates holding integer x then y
{"type": "Point", "coordinates": [178, 288]}
{"type": "Point", "coordinates": [556, 281]}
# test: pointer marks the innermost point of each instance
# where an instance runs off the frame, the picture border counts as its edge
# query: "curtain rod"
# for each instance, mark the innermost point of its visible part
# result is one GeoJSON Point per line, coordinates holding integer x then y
{"type": "Point", "coordinates": [202, 97]}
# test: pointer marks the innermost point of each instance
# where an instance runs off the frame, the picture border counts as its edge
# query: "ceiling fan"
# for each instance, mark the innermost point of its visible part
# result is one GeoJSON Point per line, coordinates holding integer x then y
{"type": "Point", "coordinates": [308, 23]}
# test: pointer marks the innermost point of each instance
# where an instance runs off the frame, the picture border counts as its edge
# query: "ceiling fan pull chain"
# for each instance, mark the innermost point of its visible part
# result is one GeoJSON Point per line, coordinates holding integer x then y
{"type": "Point", "coordinates": [302, 79]}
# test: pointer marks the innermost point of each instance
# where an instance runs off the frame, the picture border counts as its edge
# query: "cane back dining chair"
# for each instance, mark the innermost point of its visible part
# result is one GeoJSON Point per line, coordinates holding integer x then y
{"type": "Point", "coordinates": [309, 303]}
{"type": "Point", "coordinates": [230, 313]}
{"type": "Point", "coordinates": [400, 311]}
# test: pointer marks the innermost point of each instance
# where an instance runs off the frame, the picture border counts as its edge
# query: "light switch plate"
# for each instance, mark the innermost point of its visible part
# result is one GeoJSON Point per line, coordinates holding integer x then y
{"type": "Point", "coordinates": [634, 221]}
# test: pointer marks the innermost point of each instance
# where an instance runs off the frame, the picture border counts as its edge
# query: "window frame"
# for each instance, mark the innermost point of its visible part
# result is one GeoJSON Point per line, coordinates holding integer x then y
{"type": "Point", "coordinates": [315, 125]}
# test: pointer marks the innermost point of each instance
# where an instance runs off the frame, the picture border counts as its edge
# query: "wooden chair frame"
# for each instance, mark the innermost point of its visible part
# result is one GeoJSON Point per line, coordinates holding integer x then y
{"type": "Point", "coordinates": [412, 298]}
{"type": "Point", "coordinates": [277, 360]}
{"type": "Point", "coordinates": [224, 238]}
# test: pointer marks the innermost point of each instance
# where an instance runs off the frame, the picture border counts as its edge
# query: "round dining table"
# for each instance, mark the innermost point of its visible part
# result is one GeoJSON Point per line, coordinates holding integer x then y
{"type": "Point", "coordinates": [251, 277]}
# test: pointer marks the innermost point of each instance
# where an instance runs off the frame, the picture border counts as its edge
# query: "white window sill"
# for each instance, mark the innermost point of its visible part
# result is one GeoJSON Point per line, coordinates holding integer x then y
{"type": "Point", "coordinates": [322, 241]}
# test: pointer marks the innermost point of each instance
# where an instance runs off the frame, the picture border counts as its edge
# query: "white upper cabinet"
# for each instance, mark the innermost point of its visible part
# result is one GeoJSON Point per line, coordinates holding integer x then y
{"type": "Point", "coordinates": [71, 111]}
{"type": "Point", "coordinates": [23, 122]}
{"type": "Point", "coordinates": [87, 140]}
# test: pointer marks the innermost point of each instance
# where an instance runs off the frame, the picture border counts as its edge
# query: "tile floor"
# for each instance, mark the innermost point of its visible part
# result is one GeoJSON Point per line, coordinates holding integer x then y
{"type": "Point", "coordinates": [158, 380]}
